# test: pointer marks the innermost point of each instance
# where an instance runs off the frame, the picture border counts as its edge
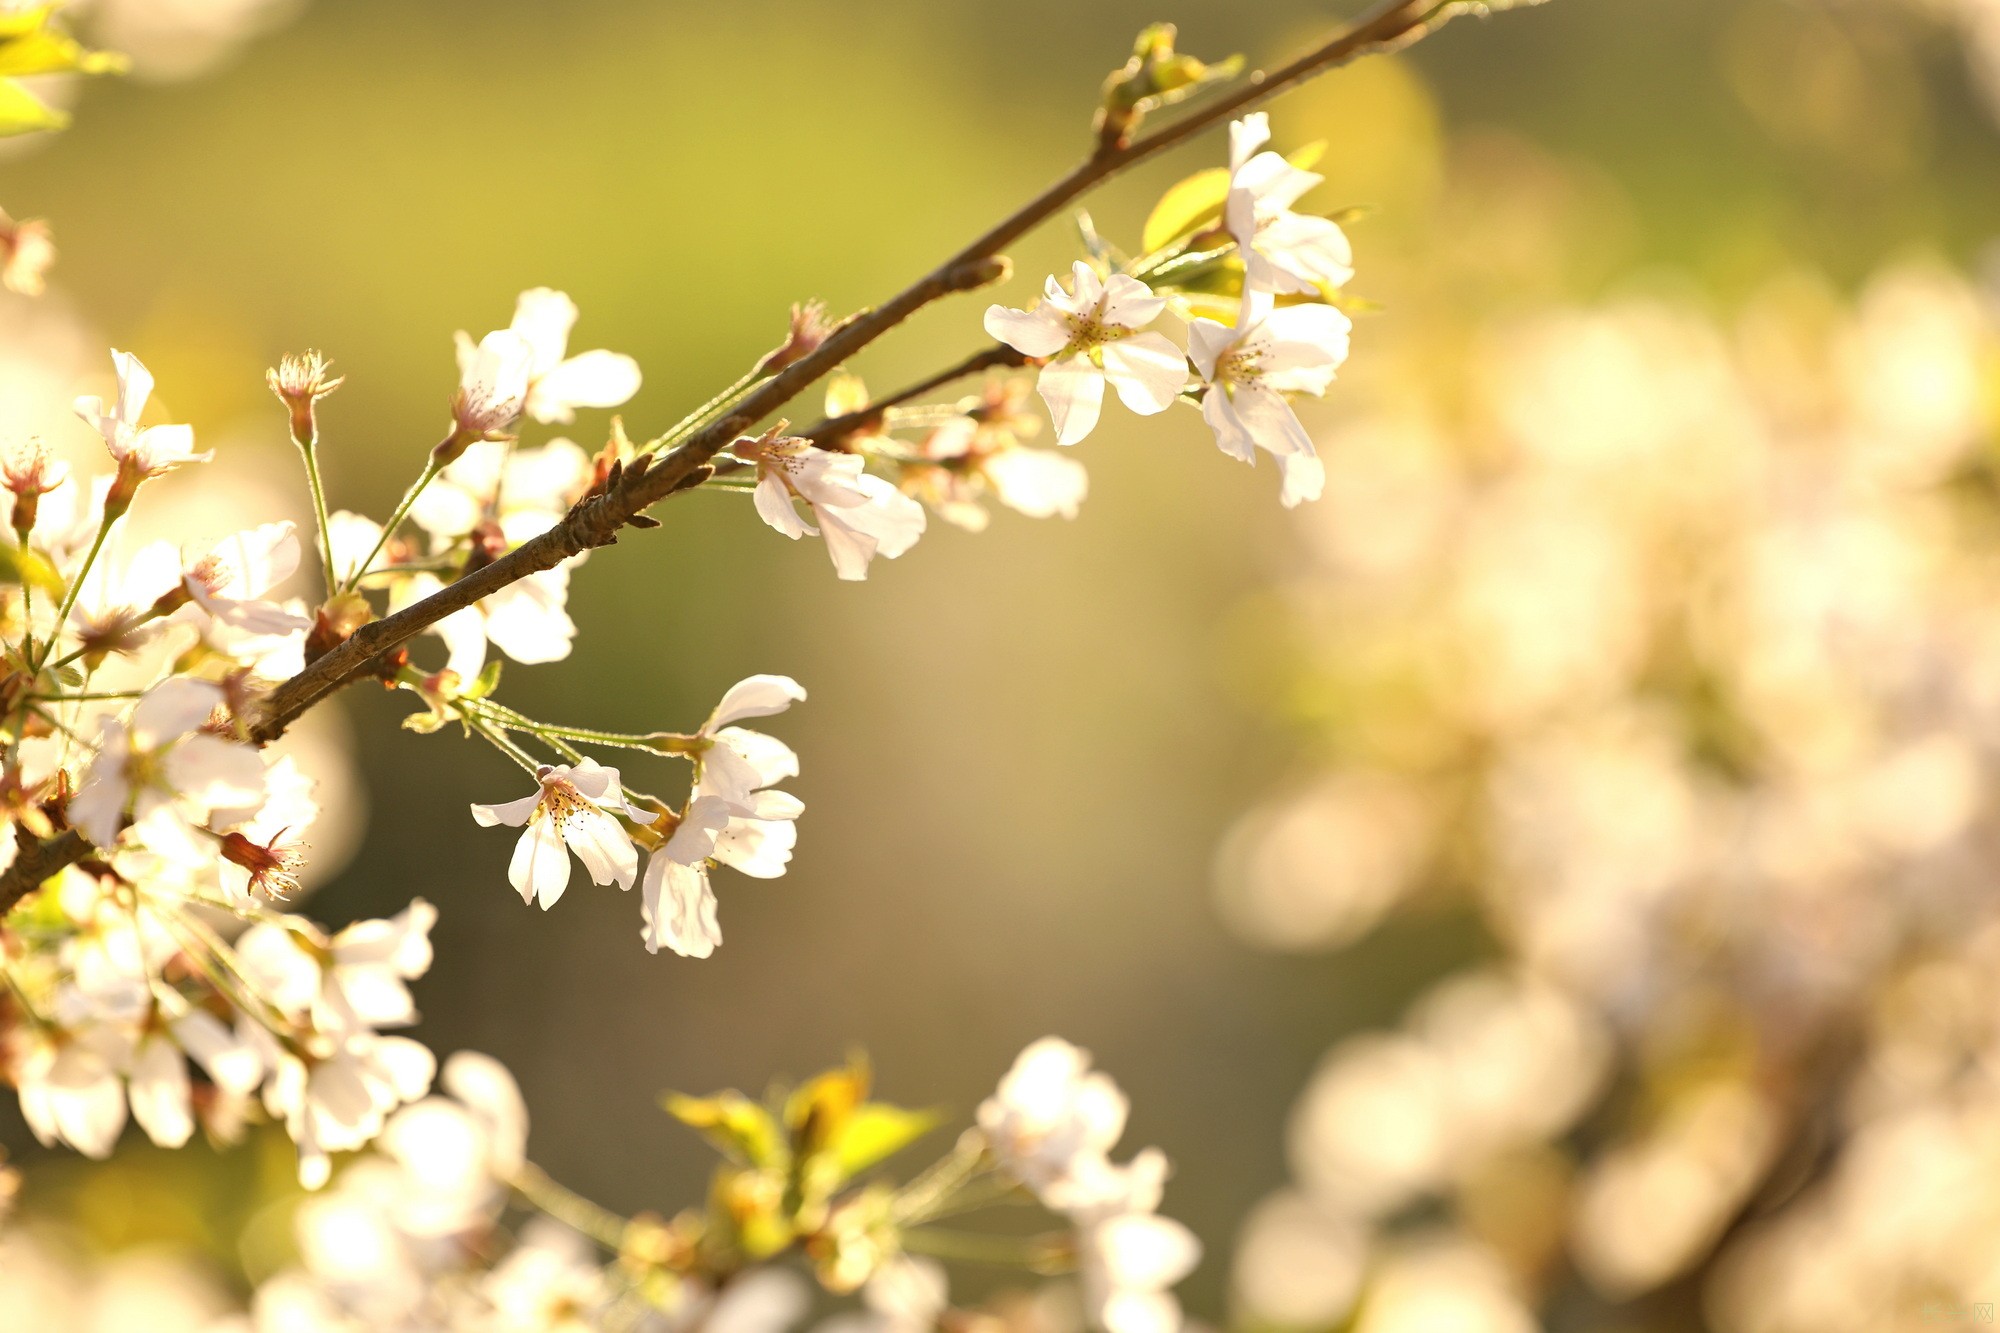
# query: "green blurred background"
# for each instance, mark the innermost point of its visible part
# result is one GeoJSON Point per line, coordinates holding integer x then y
{"type": "Point", "coordinates": [1021, 747]}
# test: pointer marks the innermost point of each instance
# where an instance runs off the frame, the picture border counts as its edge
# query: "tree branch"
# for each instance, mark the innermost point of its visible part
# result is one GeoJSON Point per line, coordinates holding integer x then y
{"type": "Point", "coordinates": [828, 434]}
{"type": "Point", "coordinates": [596, 520]}
{"type": "Point", "coordinates": [35, 861]}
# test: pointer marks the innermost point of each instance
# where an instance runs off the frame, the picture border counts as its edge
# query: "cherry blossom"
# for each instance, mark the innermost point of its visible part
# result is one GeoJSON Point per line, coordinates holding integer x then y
{"type": "Point", "coordinates": [162, 763]}
{"type": "Point", "coordinates": [677, 902]}
{"type": "Point", "coordinates": [981, 451]}
{"type": "Point", "coordinates": [577, 808]}
{"type": "Point", "coordinates": [230, 581]}
{"type": "Point", "coordinates": [140, 451]}
{"type": "Point", "coordinates": [1089, 335]}
{"type": "Point", "coordinates": [555, 385]}
{"type": "Point", "coordinates": [1283, 251]}
{"type": "Point", "coordinates": [492, 388]}
{"type": "Point", "coordinates": [1250, 369]}
{"type": "Point", "coordinates": [860, 515]}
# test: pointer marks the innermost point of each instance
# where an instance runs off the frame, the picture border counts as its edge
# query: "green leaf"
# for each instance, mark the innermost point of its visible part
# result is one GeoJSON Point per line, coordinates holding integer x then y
{"type": "Point", "coordinates": [875, 1132]}
{"type": "Point", "coordinates": [489, 681]}
{"type": "Point", "coordinates": [1196, 203]}
{"type": "Point", "coordinates": [815, 1112]}
{"type": "Point", "coordinates": [18, 565]}
{"type": "Point", "coordinates": [1186, 208]}
{"type": "Point", "coordinates": [45, 50]}
{"type": "Point", "coordinates": [21, 112]}
{"type": "Point", "coordinates": [742, 1129]}
{"type": "Point", "coordinates": [24, 22]}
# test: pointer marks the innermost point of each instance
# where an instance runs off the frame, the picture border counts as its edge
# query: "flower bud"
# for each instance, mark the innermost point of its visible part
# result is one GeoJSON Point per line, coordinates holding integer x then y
{"type": "Point", "coordinates": [30, 472]}
{"type": "Point", "coordinates": [1155, 76]}
{"type": "Point", "coordinates": [809, 329]}
{"type": "Point", "coordinates": [300, 382]}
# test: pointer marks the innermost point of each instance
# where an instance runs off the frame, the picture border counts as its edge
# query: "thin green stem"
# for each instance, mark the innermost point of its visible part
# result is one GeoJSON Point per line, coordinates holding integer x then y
{"type": "Point", "coordinates": [694, 420]}
{"type": "Point", "coordinates": [565, 1205]}
{"type": "Point", "coordinates": [499, 740]}
{"type": "Point", "coordinates": [27, 620]}
{"type": "Point", "coordinates": [92, 697]}
{"type": "Point", "coordinates": [75, 588]}
{"type": "Point", "coordinates": [431, 468]}
{"type": "Point", "coordinates": [970, 1247]}
{"type": "Point", "coordinates": [513, 721]}
{"type": "Point", "coordinates": [309, 451]}
{"type": "Point", "coordinates": [940, 1180]}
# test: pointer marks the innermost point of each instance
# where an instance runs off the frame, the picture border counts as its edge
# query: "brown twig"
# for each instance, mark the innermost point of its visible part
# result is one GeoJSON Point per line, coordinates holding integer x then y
{"type": "Point", "coordinates": [828, 434]}
{"type": "Point", "coordinates": [596, 520]}
{"type": "Point", "coordinates": [35, 861]}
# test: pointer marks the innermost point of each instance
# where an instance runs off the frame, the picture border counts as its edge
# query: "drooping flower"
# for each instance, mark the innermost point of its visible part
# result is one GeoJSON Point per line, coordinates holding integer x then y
{"type": "Point", "coordinates": [676, 900]}
{"type": "Point", "coordinates": [860, 515]}
{"type": "Point", "coordinates": [336, 1088]}
{"type": "Point", "coordinates": [573, 810]}
{"type": "Point", "coordinates": [1090, 335]}
{"type": "Point", "coordinates": [161, 764]}
{"type": "Point", "coordinates": [1250, 369]}
{"type": "Point", "coordinates": [352, 982]}
{"type": "Point", "coordinates": [70, 1085]}
{"type": "Point", "coordinates": [140, 451]}
{"type": "Point", "coordinates": [1283, 251]}
{"type": "Point", "coordinates": [556, 384]}
{"type": "Point", "coordinates": [980, 452]}
{"type": "Point", "coordinates": [1052, 1123]}
{"type": "Point", "coordinates": [229, 583]}
{"type": "Point", "coordinates": [339, 1101]}
{"type": "Point", "coordinates": [732, 818]}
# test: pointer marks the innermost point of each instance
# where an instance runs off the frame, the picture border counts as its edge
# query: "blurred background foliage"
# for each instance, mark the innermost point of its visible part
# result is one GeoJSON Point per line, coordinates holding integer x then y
{"type": "Point", "coordinates": [1021, 748]}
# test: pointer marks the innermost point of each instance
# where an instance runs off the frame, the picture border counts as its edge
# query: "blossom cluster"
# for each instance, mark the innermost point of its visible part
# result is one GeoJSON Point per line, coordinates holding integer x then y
{"type": "Point", "coordinates": [158, 805]}
{"type": "Point", "coordinates": [1668, 646]}
{"type": "Point", "coordinates": [446, 1224]}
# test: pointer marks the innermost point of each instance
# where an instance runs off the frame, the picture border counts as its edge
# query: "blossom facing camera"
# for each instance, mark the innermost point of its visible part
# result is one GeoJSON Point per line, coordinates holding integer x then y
{"type": "Point", "coordinates": [1089, 335]}
{"type": "Point", "coordinates": [1250, 369]}
{"type": "Point", "coordinates": [576, 811]}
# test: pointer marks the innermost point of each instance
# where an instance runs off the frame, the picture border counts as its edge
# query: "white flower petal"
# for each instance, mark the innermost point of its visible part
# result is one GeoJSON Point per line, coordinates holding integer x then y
{"type": "Point", "coordinates": [773, 501]}
{"type": "Point", "coordinates": [160, 1096]}
{"type": "Point", "coordinates": [1129, 303]}
{"type": "Point", "coordinates": [754, 696]}
{"type": "Point", "coordinates": [539, 871]}
{"type": "Point", "coordinates": [678, 909]}
{"type": "Point", "coordinates": [1074, 392]}
{"type": "Point", "coordinates": [603, 846]}
{"type": "Point", "coordinates": [1147, 370]}
{"type": "Point", "coordinates": [1039, 332]}
{"type": "Point", "coordinates": [589, 379]}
